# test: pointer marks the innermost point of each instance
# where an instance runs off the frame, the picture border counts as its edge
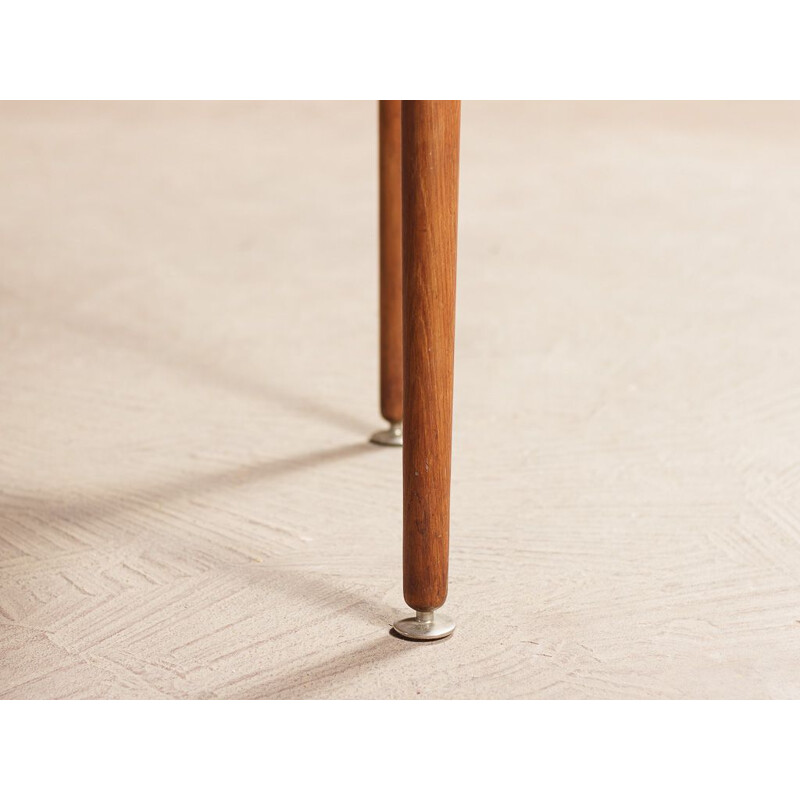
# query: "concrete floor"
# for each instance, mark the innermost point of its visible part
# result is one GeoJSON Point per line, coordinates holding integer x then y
{"type": "Point", "coordinates": [188, 310]}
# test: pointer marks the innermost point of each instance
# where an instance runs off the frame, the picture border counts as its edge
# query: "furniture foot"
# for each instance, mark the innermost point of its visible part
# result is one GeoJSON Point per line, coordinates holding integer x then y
{"type": "Point", "coordinates": [392, 436]}
{"type": "Point", "coordinates": [425, 626]}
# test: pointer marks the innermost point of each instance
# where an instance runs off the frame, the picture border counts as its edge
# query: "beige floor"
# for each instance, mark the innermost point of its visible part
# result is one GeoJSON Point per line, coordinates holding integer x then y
{"type": "Point", "coordinates": [188, 377]}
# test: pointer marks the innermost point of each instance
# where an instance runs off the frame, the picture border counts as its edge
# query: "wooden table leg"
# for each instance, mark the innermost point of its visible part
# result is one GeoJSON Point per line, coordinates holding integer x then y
{"type": "Point", "coordinates": [430, 214]}
{"type": "Point", "coordinates": [391, 272]}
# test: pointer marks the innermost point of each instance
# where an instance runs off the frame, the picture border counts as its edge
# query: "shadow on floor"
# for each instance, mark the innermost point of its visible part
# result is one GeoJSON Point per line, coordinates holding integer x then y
{"type": "Point", "coordinates": [107, 504]}
{"type": "Point", "coordinates": [188, 362]}
{"type": "Point", "coordinates": [305, 586]}
{"type": "Point", "coordinates": [317, 681]}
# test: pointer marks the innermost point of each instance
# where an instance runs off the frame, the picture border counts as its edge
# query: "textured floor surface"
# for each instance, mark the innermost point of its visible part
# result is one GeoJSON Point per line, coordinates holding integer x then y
{"type": "Point", "coordinates": [188, 378]}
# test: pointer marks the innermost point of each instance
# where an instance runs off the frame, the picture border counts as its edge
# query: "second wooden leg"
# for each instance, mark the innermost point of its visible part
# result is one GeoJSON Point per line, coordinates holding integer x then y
{"type": "Point", "coordinates": [430, 212]}
{"type": "Point", "coordinates": [391, 269]}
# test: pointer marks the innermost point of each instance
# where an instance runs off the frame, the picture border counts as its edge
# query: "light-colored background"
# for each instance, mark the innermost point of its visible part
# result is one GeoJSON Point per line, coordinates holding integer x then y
{"type": "Point", "coordinates": [188, 376]}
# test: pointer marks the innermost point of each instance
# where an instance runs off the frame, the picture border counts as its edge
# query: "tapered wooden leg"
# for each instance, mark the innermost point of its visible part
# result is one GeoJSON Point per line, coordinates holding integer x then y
{"type": "Point", "coordinates": [391, 272]}
{"type": "Point", "coordinates": [430, 212]}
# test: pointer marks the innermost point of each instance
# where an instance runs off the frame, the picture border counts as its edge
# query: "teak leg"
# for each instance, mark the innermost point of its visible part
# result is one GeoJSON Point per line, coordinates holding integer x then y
{"type": "Point", "coordinates": [391, 272]}
{"type": "Point", "coordinates": [430, 214]}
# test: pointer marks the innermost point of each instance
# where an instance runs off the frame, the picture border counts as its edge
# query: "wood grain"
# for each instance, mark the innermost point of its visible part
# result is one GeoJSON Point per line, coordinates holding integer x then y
{"type": "Point", "coordinates": [391, 260]}
{"type": "Point", "coordinates": [430, 221]}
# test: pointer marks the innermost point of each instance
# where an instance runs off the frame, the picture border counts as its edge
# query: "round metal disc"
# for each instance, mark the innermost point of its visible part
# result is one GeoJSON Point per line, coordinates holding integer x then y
{"type": "Point", "coordinates": [393, 437]}
{"type": "Point", "coordinates": [412, 628]}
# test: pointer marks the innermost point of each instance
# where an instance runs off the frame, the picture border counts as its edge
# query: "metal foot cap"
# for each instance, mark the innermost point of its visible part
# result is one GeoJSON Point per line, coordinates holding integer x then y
{"type": "Point", "coordinates": [393, 437]}
{"type": "Point", "coordinates": [425, 626]}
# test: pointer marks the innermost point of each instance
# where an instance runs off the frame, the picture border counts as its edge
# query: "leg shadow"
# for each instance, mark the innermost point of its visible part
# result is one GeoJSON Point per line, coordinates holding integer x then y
{"type": "Point", "coordinates": [108, 504]}
{"type": "Point", "coordinates": [316, 682]}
